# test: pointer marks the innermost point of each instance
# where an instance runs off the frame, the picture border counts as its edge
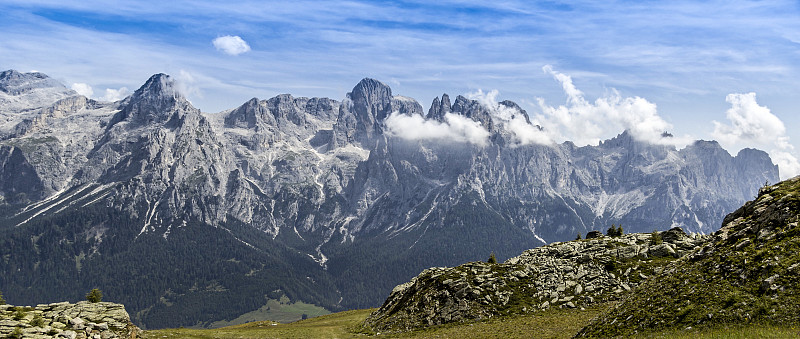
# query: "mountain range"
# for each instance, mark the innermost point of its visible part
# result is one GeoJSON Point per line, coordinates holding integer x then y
{"type": "Point", "coordinates": [190, 217]}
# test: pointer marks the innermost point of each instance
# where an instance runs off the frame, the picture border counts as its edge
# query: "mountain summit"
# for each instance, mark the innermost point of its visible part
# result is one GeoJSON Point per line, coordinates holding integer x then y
{"type": "Point", "coordinates": [157, 101]}
{"type": "Point", "coordinates": [309, 197]}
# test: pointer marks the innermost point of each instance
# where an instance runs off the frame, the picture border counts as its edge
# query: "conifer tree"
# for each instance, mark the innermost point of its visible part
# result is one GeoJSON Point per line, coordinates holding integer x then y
{"type": "Point", "coordinates": [95, 295]}
{"type": "Point", "coordinates": [492, 259]}
{"type": "Point", "coordinates": [578, 237]}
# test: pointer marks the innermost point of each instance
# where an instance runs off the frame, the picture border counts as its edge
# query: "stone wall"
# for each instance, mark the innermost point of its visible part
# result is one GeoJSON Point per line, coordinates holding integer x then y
{"type": "Point", "coordinates": [65, 320]}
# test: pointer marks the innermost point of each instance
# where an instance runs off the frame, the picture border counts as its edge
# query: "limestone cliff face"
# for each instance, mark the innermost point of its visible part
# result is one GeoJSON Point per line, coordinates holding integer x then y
{"type": "Point", "coordinates": [274, 163]}
{"type": "Point", "coordinates": [65, 320]}
{"type": "Point", "coordinates": [319, 180]}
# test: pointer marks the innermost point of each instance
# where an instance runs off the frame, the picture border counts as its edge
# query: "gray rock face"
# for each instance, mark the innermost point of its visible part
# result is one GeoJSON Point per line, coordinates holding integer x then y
{"type": "Point", "coordinates": [568, 275]}
{"type": "Point", "coordinates": [157, 138]}
{"type": "Point", "coordinates": [65, 320]}
{"type": "Point", "coordinates": [24, 91]}
{"type": "Point", "coordinates": [319, 176]}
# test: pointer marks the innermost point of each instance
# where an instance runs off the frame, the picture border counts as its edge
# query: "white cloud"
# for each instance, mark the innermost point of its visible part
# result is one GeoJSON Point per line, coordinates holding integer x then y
{"type": "Point", "coordinates": [115, 94]}
{"type": "Point", "coordinates": [755, 125]}
{"type": "Point", "coordinates": [187, 85]}
{"type": "Point", "coordinates": [455, 128]}
{"type": "Point", "coordinates": [512, 120]}
{"type": "Point", "coordinates": [231, 45]}
{"type": "Point", "coordinates": [83, 89]}
{"type": "Point", "coordinates": [586, 123]}
{"type": "Point", "coordinates": [750, 122]}
{"type": "Point", "coordinates": [110, 93]}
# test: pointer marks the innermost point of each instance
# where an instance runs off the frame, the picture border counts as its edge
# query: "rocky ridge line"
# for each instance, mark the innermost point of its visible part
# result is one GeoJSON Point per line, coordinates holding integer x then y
{"type": "Point", "coordinates": [65, 320]}
{"type": "Point", "coordinates": [569, 275]}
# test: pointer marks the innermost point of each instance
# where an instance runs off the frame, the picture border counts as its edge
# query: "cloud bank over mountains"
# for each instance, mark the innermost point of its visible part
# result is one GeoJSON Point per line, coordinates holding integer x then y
{"type": "Point", "coordinates": [587, 123]}
{"type": "Point", "coordinates": [455, 128]}
{"type": "Point", "coordinates": [753, 125]}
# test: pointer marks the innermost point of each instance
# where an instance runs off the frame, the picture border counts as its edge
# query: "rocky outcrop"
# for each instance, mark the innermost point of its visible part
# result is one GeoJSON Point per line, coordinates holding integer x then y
{"type": "Point", "coordinates": [65, 320]}
{"type": "Point", "coordinates": [748, 272]}
{"type": "Point", "coordinates": [567, 275]}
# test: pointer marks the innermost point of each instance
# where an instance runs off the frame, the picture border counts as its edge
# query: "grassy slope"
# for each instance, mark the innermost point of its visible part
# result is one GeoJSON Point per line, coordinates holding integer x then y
{"type": "Point", "coordinates": [730, 283]}
{"type": "Point", "coordinates": [551, 324]}
{"type": "Point", "coordinates": [282, 311]}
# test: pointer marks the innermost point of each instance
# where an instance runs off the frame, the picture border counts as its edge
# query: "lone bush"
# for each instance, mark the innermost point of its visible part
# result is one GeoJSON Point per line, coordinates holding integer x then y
{"type": "Point", "coordinates": [655, 238]}
{"type": "Point", "coordinates": [2, 301]}
{"type": "Point", "coordinates": [95, 295]}
{"type": "Point", "coordinates": [492, 259]}
{"type": "Point", "coordinates": [578, 237]}
{"type": "Point", "coordinates": [19, 313]}
{"type": "Point", "coordinates": [37, 321]}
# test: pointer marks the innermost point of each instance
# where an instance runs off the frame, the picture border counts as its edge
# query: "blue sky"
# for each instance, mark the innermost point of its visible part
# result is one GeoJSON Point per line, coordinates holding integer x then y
{"type": "Point", "coordinates": [696, 62]}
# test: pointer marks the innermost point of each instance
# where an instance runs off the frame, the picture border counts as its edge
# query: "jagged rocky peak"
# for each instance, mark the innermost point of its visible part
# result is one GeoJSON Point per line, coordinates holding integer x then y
{"type": "Point", "coordinates": [283, 107]}
{"type": "Point", "coordinates": [280, 109]}
{"type": "Point", "coordinates": [748, 159]}
{"type": "Point", "coordinates": [372, 101]}
{"type": "Point", "coordinates": [474, 110]}
{"type": "Point", "coordinates": [157, 101]}
{"type": "Point", "coordinates": [248, 115]}
{"type": "Point", "coordinates": [513, 105]}
{"type": "Point", "coordinates": [439, 108]}
{"type": "Point", "coordinates": [469, 108]}
{"type": "Point", "coordinates": [633, 146]}
{"type": "Point", "coordinates": [324, 108]}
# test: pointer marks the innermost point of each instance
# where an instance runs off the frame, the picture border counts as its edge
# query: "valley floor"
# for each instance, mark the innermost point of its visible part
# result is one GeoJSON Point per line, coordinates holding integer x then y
{"type": "Point", "coordinates": [550, 324]}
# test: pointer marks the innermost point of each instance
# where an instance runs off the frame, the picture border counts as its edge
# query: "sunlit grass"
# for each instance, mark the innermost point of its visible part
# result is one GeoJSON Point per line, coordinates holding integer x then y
{"type": "Point", "coordinates": [551, 324]}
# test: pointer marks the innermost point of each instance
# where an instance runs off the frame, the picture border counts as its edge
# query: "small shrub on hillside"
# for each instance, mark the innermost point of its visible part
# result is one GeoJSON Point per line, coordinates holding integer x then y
{"type": "Point", "coordinates": [655, 238]}
{"type": "Point", "coordinates": [16, 334]}
{"type": "Point", "coordinates": [2, 301]}
{"type": "Point", "coordinates": [37, 321]}
{"type": "Point", "coordinates": [492, 259]}
{"type": "Point", "coordinates": [95, 295]}
{"type": "Point", "coordinates": [19, 313]}
{"type": "Point", "coordinates": [610, 265]}
{"type": "Point", "coordinates": [578, 237]}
